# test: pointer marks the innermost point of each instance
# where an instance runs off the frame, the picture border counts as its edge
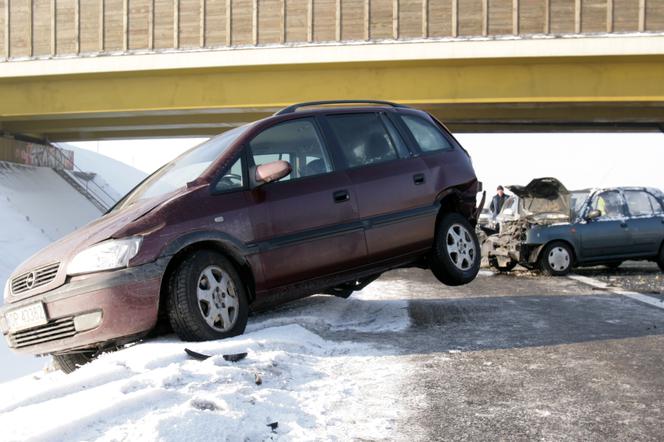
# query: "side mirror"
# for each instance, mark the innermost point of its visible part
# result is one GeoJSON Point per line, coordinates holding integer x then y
{"type": "Point", "coordinates": [593, 214]}
{"type": "Point", "coordinates": [273, 171]}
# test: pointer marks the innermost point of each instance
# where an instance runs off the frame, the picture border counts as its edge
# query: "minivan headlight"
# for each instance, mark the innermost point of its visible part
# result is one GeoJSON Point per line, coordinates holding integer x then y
{"type": "Point", "coordinates": [5, 295]}
{"type": "Point", "coordinates": [107, 255]}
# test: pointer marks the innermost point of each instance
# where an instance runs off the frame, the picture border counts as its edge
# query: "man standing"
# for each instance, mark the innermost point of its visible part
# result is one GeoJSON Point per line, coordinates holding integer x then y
{"type": "Point", "coordinates": [497, 201]}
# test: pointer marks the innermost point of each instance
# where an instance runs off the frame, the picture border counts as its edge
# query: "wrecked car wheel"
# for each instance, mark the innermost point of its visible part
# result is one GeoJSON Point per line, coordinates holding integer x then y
{"type": "Point", "coordinates": [69, 362]}
{"type": "Point", "coordinates": [660, 261]}
{"type": "Point", "coordinates": [207, 299]}
{"type": "Point", "coordinates": [455, 258]}
{"type": "Point", "coordinates": [506, 268]}
{"type": "Point", "coordinates": [556, 259]}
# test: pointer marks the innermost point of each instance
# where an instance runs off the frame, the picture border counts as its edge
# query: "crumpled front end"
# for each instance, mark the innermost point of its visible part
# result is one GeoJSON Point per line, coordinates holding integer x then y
{"type": "Point", "coordinates": [543, 202]}
{"type": "Point", "coordinates": [508, 245]}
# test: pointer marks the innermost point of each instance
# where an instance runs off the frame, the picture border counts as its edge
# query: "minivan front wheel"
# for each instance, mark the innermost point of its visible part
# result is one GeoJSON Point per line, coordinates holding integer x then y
{"type": "Point", "coordinates": [455, 257]}
{"type": "Point", "coordinates": [207, 299]}
{"type": "Point", "coordinates": [69, 362]}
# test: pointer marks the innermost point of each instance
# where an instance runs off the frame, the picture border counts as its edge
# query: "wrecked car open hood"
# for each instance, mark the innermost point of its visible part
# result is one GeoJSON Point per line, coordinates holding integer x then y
{"type": "Point", "coordinates": [543, 200]}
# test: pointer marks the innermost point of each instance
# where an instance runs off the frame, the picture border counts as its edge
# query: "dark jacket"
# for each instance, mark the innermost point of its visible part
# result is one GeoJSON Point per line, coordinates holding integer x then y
{"type": "Point", "coordinates": [497, 204]}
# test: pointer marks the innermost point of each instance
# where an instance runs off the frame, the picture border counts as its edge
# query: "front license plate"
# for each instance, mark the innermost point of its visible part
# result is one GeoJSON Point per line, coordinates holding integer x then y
{"type": "Point", "coordinates": [26, 317]}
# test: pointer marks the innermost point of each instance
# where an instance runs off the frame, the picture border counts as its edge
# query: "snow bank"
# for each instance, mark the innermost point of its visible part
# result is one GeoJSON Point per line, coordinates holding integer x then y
{"type": "Point", "coordinates": [120, 176]}
{"type": "Point", "coordinates": [380, 307]}
{"type": "Point", "coordinates": [315, 388]}
{"type": "Point", "coordinates": [36, 207]}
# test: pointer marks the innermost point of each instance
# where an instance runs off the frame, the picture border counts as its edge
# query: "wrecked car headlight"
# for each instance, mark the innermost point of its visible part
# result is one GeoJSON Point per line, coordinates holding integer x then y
{"type": "Point", "coordinates": [107, 255]}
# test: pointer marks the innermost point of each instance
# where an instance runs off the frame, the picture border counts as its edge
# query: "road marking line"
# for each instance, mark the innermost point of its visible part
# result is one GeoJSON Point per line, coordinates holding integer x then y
{"type": "Point", "coordinates": [633, 295]}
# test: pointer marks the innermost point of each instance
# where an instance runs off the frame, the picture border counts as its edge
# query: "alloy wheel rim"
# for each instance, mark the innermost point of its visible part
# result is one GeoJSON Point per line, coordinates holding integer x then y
{"type": "Point", "coordinates": [559, 259]}
{"type": "Point", "coordinates": [217, 298]}
{"type": "Point", "coordinates": [460, 247]}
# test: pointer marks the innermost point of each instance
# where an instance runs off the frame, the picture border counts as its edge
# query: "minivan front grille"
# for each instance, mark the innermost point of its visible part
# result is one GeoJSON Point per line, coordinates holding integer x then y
{"type": "Point", "coordinates": [36, 278]}
{"type": "Point", "coordinates": [54, 330]}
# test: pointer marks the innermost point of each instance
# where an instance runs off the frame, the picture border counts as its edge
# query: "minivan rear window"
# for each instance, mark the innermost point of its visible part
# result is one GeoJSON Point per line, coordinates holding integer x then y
{"type": "Point", "coordinates": [428, 137]}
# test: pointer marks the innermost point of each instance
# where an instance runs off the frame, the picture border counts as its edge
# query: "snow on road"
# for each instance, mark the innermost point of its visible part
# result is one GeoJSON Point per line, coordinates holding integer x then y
{"type": "Point", "coordinates": [315, 388]}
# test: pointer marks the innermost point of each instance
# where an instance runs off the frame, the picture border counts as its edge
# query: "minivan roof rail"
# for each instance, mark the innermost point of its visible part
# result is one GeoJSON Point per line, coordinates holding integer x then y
{"type": "Point", "coordinates": [295, 107]}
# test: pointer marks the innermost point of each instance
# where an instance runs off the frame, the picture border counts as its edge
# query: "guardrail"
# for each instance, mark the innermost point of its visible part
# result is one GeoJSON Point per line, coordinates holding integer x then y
{"type": "Point", "coordinates": [91, 190]}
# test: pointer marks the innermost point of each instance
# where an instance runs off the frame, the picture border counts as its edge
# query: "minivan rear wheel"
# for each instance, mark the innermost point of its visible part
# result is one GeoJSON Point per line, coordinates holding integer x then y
{"type": "Point", "coordinates": [207, 299]}
{"type": "Point", "coordinates": [660, 260]}
{"type": "Point", "coordinates": [455, 257]}
{"type": "Point", "coordinates": [69, 362]}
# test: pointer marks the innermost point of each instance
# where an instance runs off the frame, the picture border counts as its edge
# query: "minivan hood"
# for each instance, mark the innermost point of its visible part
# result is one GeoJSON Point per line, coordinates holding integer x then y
{"type": "Point", "coordinates": [96, 231]}
{"type": "Point", "coordinates": [544, 200]}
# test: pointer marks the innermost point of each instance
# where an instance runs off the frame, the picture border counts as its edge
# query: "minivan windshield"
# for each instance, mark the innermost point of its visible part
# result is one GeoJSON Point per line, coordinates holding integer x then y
{"type": "Point", "coordinates": [183, 169]}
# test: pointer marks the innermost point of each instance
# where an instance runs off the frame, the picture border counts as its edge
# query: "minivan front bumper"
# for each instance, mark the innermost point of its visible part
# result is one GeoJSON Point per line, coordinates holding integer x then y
{"type": "Point", "coordinates": [91, 311]}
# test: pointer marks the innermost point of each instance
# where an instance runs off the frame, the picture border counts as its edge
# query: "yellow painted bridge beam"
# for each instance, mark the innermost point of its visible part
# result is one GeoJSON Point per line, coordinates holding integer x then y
{"type": "Point", "coordinates": [530, 93]}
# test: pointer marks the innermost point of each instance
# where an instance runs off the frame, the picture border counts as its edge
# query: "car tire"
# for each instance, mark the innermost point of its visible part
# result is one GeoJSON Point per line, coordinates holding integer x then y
{"type": "Point", "coordinates": [556, 259]}
{"type": "Point", "coordinates": [70, 362]}
{"type": "Point", "coordinates": [207, 299]}
{"type": "Point", "coordinates": [660, 260]}
{"type": "Point", "coordinates": [507, 268]}
{"type": "Point", "coordinates": [456, 255]}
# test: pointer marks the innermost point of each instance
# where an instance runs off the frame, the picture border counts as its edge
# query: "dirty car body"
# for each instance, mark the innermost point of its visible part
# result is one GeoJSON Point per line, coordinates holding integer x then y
{"type": "Point", "coordinates": [544, 212]}
{"type": "Point", "coordinates": [344, 214]}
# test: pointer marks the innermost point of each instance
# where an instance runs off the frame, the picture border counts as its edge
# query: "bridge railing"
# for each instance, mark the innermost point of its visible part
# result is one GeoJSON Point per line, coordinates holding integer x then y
{"type": "Point", "coordinates": [52, 28]}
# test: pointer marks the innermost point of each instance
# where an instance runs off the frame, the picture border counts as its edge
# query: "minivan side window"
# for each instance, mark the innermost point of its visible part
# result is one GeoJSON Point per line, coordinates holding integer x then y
{"type": "Point", "coordinates": [295, 141]}
{"type": "Point", "coordinates": [232, 179]}
{"type": "Point", "coordinates": [363, 138]}
{"type": "Point", "coordinates": [639, 203]}
{"type": "Point", "coordinates": [428, 136]}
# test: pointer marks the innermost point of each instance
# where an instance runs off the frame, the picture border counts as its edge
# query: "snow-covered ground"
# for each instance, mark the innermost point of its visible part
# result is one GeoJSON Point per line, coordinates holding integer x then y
{"type": "Point", "coordinates": [315, 386]}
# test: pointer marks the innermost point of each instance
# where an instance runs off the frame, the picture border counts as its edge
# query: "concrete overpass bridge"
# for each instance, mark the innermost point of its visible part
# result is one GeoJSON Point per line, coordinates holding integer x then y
{"type": "Point", "coordinates": [101, 69]}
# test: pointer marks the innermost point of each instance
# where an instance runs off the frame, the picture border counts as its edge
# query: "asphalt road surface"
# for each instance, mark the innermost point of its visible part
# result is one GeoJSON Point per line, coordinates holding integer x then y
{"type": "Point", "coordinates": [521, 356]}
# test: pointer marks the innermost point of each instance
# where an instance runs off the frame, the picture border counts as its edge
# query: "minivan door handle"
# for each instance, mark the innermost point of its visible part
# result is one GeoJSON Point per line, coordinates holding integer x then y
{"type": "Point", "coordinates": [623, 225]}
{"type": "Point", "coordinates": [341, 196]}
{"type": "Point", "coordinates": [418, 179]}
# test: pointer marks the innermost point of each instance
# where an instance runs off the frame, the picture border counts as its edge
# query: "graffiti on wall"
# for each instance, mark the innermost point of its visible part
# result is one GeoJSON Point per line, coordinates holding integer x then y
{"type": "Point", "coordinates": [46, 156]}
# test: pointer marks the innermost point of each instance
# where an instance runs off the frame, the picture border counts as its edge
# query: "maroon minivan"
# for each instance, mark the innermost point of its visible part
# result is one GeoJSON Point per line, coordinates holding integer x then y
{"type": "Point", "coordinates": [322, 197]}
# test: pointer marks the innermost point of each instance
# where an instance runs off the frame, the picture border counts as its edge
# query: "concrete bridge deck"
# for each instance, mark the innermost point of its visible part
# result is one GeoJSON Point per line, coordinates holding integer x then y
{"type": "Point", "coordinates": [98, 69]}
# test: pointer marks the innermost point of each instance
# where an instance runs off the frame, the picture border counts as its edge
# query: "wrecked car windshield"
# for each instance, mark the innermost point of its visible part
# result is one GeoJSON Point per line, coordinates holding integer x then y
{"type": "Point", "coordinates": [183, 169]}
{"type": "Point", "coordinates": [578, 199]}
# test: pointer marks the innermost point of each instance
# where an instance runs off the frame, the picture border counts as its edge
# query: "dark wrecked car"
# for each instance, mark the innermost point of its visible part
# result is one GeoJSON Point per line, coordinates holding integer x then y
{"type": "Point", "coordinates": [315, 199]}
{"type": "Point", "coordinates": [545, 226]}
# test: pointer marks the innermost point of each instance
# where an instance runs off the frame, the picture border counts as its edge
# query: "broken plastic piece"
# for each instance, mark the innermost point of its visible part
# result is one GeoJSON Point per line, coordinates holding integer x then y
{"type": "Point", "coordinates": [235, 357]}
{"type": "Point", "coordinates": [197, 356]}
{"type": "Point", "coordinates": [201, 357]}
